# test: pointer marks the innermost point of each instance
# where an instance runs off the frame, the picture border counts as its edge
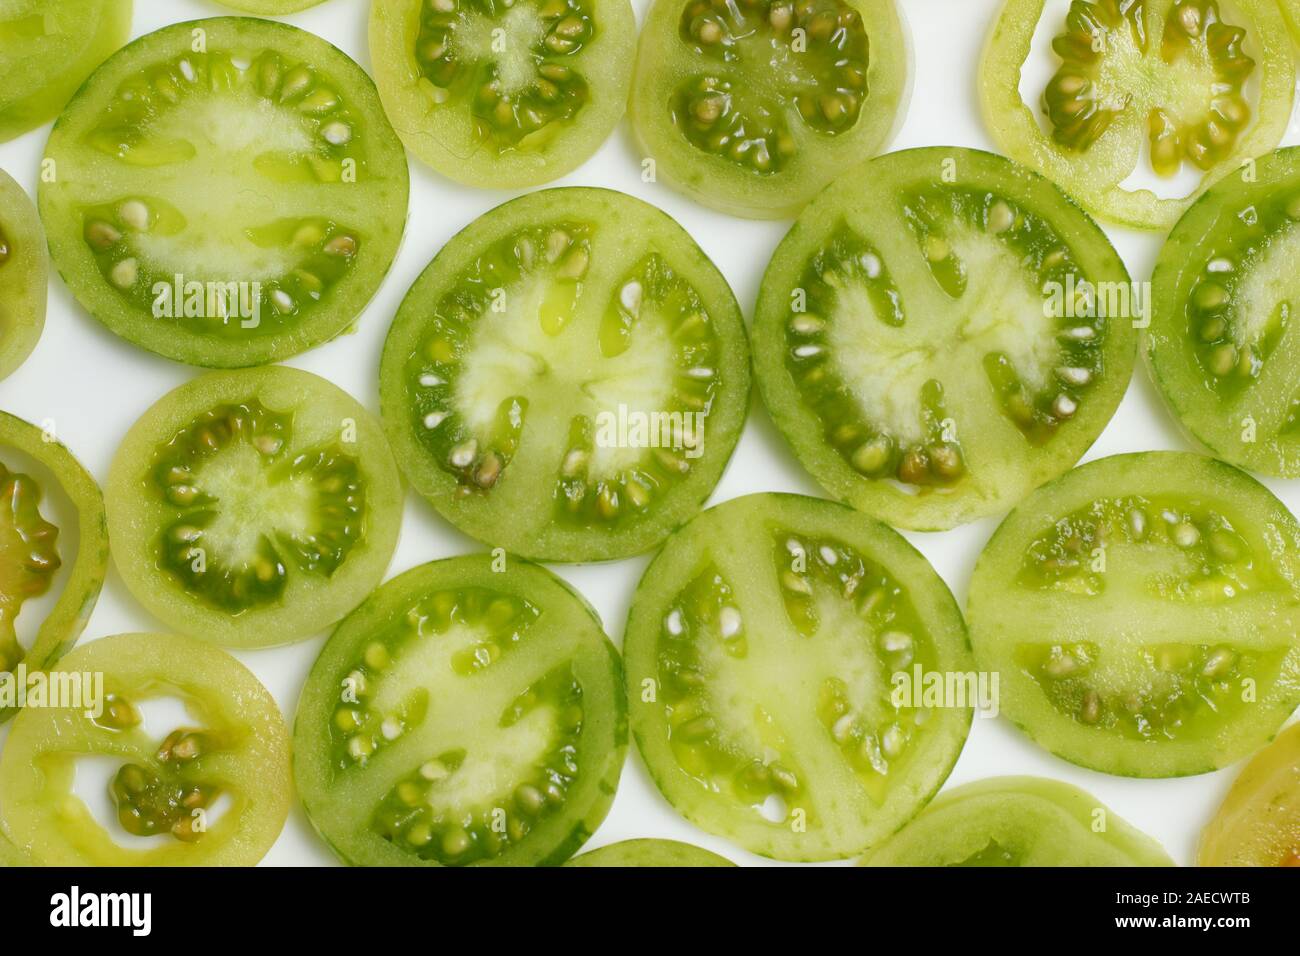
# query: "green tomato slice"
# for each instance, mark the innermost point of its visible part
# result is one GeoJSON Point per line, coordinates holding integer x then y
{"type": "Point", "coordinates": [254, 507]}
{"type": "Point", "coordinates": [1259, 821]}
{"type": "Point", "coordinates": [469, 712]}
{"type": "Point", "coordinates": [228, 192]}
{"type": "Point", "coordinates": [752, 108]}
{"type": "Point", "coordinates": [761, 655]}
{"type": "Point", "coordinates": [47, 50]}
{"type": "Point", "coordinates": [34, 549]}
{"type": "Point", "coordinates": [1141, 85]}
{"type": "Point", "coordinates": [214, 791]}
{"type": "Point", "coordinates": [941, 333]}
{"type": "Point", "coordinates": [1017, 821]}
{"type": "Point", "coordinates": [650, 853]}
{"type": "Point", "coordinates": [270, 8]}
{"type": "Point", "coordinates": [1143, 612]}
{"type": "Point", "coordinates": [503, 93]}
{"type": "Point", "coordinates": [24, 276]}
{"type": "Point", "coordinates": [568, 377]}
{"type": "Point", "coordinates": [1220, 345]}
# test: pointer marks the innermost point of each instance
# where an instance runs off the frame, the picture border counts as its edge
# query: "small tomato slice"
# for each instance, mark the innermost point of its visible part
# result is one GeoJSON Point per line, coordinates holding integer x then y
{"type": "Point", "coordinates": [469, 713]}
{"type": "Point", "coordinates": [213, 791]}
{"type": "Point", "coordinates": [1143, 613]}
{"type": "Point", "coordinates": [35, 549]}
{"type": "Point", "coordinates": [24, 275]}
{"type": "Point", "coordinates": [1259, 821]}
{"type": "Point", "coordinates": [1141, 85]}
{"type": "Point", "coordinates": [649, 853]}
{"type": "Point", "coordinates": [1017, 821]}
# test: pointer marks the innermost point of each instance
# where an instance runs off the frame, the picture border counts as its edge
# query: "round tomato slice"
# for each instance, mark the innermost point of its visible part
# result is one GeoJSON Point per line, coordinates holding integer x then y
{"type": "Point", "coordinates": [24, 275]}
{"type": "Point", "coordinates": [649, 853]}
{"type": "Point", "coordinates": [1017, 821]}
{"type": "Point", "coordinates": [503, 93]}
{"type": "Point", "coordinates": [39, 555]}
{"type": "Point", "coordinates": [1150, 86]}
{"type": "Point", "coordinates": [269, 8]}
{"type": "Point", "coordinates": [212, 791]}
{"type": "Point", "coordinates": [1221, 346]}
{"type": "Point", "coordinates": [470, 712]}
{"type": "Point", "coordinates": [941, 333]}
{"type": "Point", "coordinates": [1143, 612]}
{"type": "Point", "coordinates": [254, 507]}
{"type": "Point", "coordinates": [227, 192]}
{"type": "Point", "coordinates": [47, 50]}
{"type": "Point", "coordinates": [568, 378]}
{"type": "Point", "coordinates": [752, 108]}
{"type": "Point", "coordinates": [763, 652]}
{"type": "Point", "coordinates": [1259, 822]}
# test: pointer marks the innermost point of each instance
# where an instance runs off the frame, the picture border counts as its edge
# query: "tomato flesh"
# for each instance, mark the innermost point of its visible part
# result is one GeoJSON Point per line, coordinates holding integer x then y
{"type": "Point", "coordinates": [941, 333]}
{"type": "Point", "coordinates": [503, 94]}
{"type": "Point", "coordinates": [761, 651]}
{"type": "Point", "coordinates": [649, 853]}
{"type": "Point", "coordinates": [47, 50]}
{"type": "Point", "coordinates": [1142, 611]}
{"type": "Point", "coordinates": [752, 108]}
{"type": "Point", "coordinates": [469, 713]}
{"type": "Point", "coordinates": [568, 378]}
{"type": "Point", "coordinates": [24, 276]}
{"type": "Point", "coordinates": [1152, 85]}
{"type": "Point", "coordinates": [1220, 345]}
{"type": "Point", "coordinates": [214, 791]}
{"type": "Point", "coordinates": [229, 192]}
{"type": "Point", "coordinates": [1017, 821]}
{"type": "Point", "coordinates": [254, 507]}
{"type": "Point", "coordinates": [1259, 821]}
{"type": "Point", "coordinates": [35, 549]}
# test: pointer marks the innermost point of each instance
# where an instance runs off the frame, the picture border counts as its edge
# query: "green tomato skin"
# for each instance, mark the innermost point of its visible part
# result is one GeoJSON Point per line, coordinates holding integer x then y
{"type": "Point", "coordinates": [662, 854]}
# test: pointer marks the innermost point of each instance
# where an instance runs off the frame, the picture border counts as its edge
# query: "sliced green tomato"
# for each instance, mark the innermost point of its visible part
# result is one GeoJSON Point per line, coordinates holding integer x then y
{"type": "Point", "coordinates": [228, 192]}
{"type": "Point", "coordinates": [47, 50]}
{"type": "Point", "coordinates": [649, 853]}
{"type": "Point", "coordinates": [254, 507]}
{"type": "Point", "coordinates": [753, 107]}
{"type": "Point", "coordinates": [568, 377]}
{"type": "Point", "coordinates": [470, 712]}
{"type": "Point", "coordinates": [1221, 346]}
{"type": "Point", "coordinates": [762, 654]}
{"type": "Point", "coordinates": [269, 8]}
{"type": "Point", "coordinates": [1143, 612]}
{"type": "Point", "coordinates": [34, 549]}
{"type": "Point", "coordinates": [1141, 86]}
{"type": "Point", "coordinates": [24, 275]}
{"type": "Point", "coordinates": [213, 791]}
{"type": "Point", "coordinates": [503, 93]}
{"type": "Point", "coordinates": [1259, 822]}
{"type": "Point", "coordinates": [1017, 821]}
{"type": "Point", "coordinates": [941, 333]}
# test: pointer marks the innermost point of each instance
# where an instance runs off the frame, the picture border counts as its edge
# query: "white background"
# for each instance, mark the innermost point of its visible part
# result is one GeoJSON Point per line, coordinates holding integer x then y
{"type": "Point", "coordinates": [94, 386]}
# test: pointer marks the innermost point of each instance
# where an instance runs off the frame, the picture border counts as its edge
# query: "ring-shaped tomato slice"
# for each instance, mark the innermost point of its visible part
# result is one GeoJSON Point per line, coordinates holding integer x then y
{"type": "Point", "coordinates": [1140, 86]}
{"type": "Point", "coordinates": [1221, 345]}
{"type": "Point", "coordinates": [227, 192]}
{"type": "Point", "coordinates": [471, 712]}
{"type": "Point", "coordinates": [762, 654]}
{"type": "Point", "coordinates": [503, 94]}
{"type": "Point", "coordinates": [1258, 823]}
{"type": "Point", "coordinates": [24, 275]}
{"type": "Point", "coordinates": [47, 50]}
{"type": "Point", "coordinates": [254, 507]}
{"type": "Point", "coordinates": [649, 853]}
{"type": "Point", "coordinates": [568, 378]}
{"type": "Point", "coordinates": [1143, 612]}
{"type": "Point", "coordinates": [752, 108]}
{"type": "Point", "coordinates": [213, 791]}
{"type": "Point", "coordinates": [941, 332]}
{"type": "Point", "coordinates": [1017, 821]}
{"type": "Point", "coordinates": [34, 548]}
